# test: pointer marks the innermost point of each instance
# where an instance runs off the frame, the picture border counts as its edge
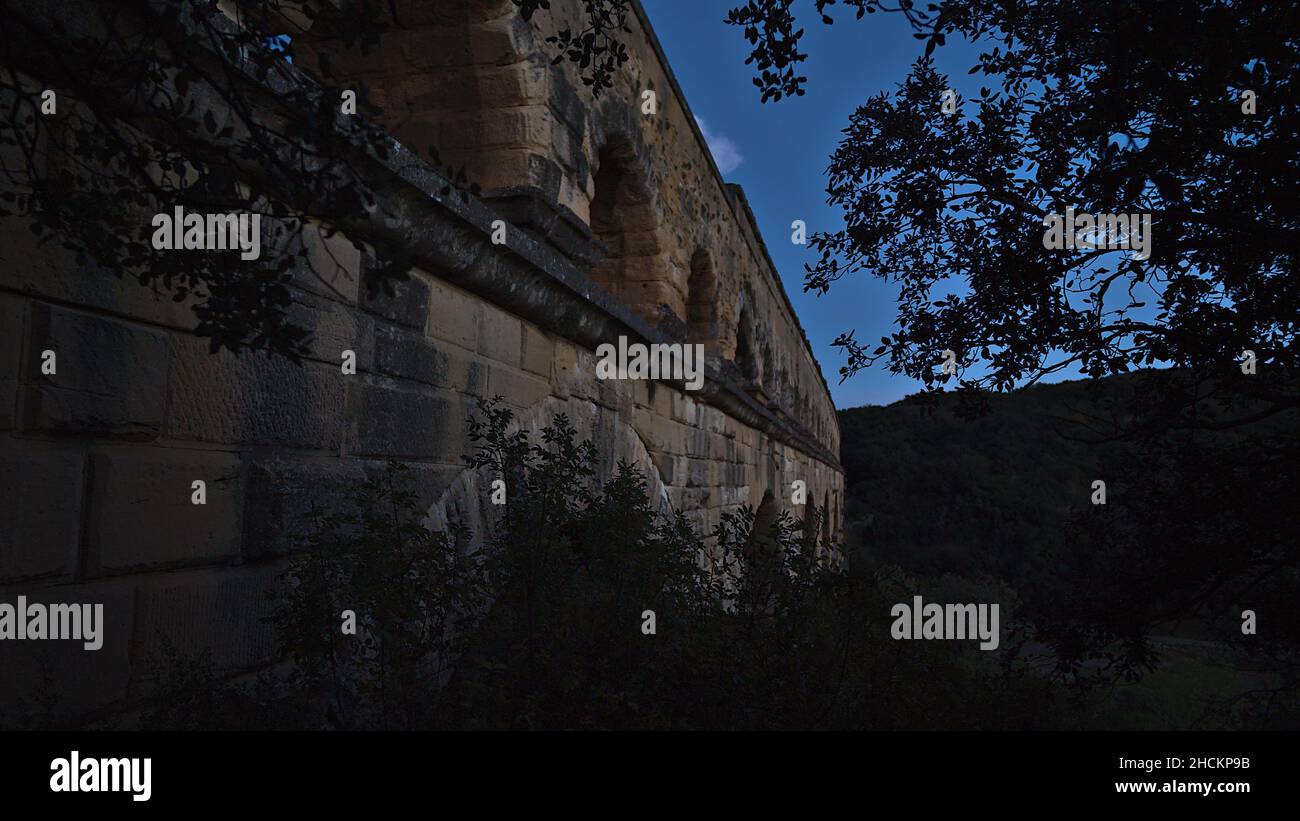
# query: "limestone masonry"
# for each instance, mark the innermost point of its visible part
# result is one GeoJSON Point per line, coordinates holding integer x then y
{"type": "Point", "coordinates": [620, 226]}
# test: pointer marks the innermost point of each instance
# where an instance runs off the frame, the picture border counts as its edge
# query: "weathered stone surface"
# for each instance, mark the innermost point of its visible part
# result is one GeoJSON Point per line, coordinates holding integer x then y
{"type": "Point", "coordinates": [282, 495]}
{"type": "Point", "coordinates": [333, 263]}
{"type": "Point", "coordinates": [52, 272]}
{"type": "Point", "coordinates": [326, 265]}
{"type": "Point", "coordinates": [517, 388]}
{"type": "Point", "coordinates": [574, 177]}
{"type": "Point", "coordinates": [452, 315]}
{"type": "Point", "coordinates": [391, 423]}
{"type": "Point", "coordinates": [524, 125]}
{"type": "Point", "coordinates": [40, 518]}
{"type": "Point", "coordinates": [537, 352]}
{"type": "Point", "coordinates": [664, 464]}
{"type": "Point", "coordinates": [334, 328]}
{"type": "Point", "coordinates": [468, 374]}
{"type": "Point", "coordinates": [153, 487]}
{"type": "Point", "coordinates": [252, 399]}
{"type": "Point", "coordinates": [641, 393]}
{"type": "Point", "coordinates": [408, 304]}
{"type": "Point", "coordinates": [220, 611]}
{"type": "Point", "coordinates": [644, 423]}
{"type": "Point", "coordinates": [564, 374]}
{"type": "Point", "coordinates": [408, 355]}
{"type": "Point", "coordinates": [699, 473]}
{"type": "Point", "coordinates": [109, 375]}
{"type": "Point", "coordinates": [615, 394]}
{"type": "Point", "coordinates": [500, 335]}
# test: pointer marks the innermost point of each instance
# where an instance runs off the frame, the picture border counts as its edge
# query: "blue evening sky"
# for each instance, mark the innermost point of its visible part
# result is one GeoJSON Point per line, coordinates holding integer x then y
{"type": "Point", "coordinates": [779, 151]}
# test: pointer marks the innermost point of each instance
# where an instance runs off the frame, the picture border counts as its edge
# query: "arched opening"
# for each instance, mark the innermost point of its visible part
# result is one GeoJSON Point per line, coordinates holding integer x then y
{"type": "Point", "coordinates": [763, 560]}
{"type": "Point", "coordinates": [474, 47]}
{"type": "Point", "coordinates": [761, 548]}
{"type": "Point", "coordinates": [702, 302]}
{"type": "Point", "coordinates": [623, 218]}
{"type": "Point", "coordinates": [744, 357]}
{"type": "Point", "coordinates": [769, 368]}
{"type": "Point", "coordinates": [765, 517]}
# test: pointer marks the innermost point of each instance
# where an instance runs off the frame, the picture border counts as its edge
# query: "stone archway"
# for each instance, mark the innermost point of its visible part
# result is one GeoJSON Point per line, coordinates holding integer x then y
{"type": "Point", "coordinates": [624, 218]}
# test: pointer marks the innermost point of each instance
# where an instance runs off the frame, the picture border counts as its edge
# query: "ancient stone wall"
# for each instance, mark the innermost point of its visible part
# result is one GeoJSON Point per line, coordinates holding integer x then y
{"type": "Point", "coordinates": [620, 226]}
{"type": "Point", "coordinates": [681, 248]}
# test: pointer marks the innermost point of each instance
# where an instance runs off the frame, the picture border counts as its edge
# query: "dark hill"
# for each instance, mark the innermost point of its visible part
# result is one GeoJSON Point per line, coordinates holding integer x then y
{"type": "Point", "coordinates": [934, 492]}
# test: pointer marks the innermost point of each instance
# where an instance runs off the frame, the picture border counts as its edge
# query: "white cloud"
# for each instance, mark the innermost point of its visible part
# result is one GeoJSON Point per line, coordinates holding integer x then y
{"type": "Point", "coordinates": [725, 152]}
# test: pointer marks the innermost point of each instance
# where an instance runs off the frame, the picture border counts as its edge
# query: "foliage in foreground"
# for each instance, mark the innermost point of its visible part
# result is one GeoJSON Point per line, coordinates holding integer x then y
{"type": "Point", "coordinates": [544, 625]}
{"type": "Point", "coordinates": [539, 623]}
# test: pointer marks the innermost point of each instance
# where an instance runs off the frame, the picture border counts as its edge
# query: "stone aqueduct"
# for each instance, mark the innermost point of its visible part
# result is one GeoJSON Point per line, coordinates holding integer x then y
{"type": "Point", "coordinates": [621, 225]}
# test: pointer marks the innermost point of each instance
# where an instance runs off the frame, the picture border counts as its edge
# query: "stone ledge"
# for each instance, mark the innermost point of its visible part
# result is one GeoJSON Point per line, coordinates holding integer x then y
{"type": "Point", "coordinates": [527, 208]}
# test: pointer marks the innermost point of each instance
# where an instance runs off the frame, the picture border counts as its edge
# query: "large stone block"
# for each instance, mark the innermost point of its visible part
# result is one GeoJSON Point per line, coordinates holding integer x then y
{"type": "Point", "coordinates": [514, 84]}
{"type": "Point", "coordinates": [517, 388]}
{"type": "Point", "coordinates": [615, 394]}
{"type": "Point", "coordinates": [252, 399]}
{"type": "Point", "coordinates": [334, 328]}
{"type": "Point", "coordinates": [699, 443]}
{"type": "Point", "coordinates": [54, 272]}
{"type": "Point", "coordinates": [142, 510]}
{"type": "Point", "coordinates": [565, 102]}
{"type": "Point", "coordinates": [684, 408]}
{"type": "Point", "coordinates": [407, 354]}
{"type": "Point", "coordinates": [538, 351]}
{"type": "Point", "coordinates": [326, 264]}
{"type": "Point", "coordinates": [390, 423]}
{"type": "Point", "coordinates": [407, 304]}
{"type": "Point", "coordinates": [427, 482]}
{"type": "Point", "coordinates": [663, 399]}
{"type": "Point", "coordinates": [512, 127]}
{"type": "Point", "coordinates": [40, 518]}
{"type": "Point", "coordinates": [565, 375]}
{"type": "Point", "coordinates": [700, 473]}
{"type": "Point", "coordinates": [283, 495]}
{"type": "Point", "coordinates": [219, 611]}
{"type": "Point", "coordinates": [641, 392]}
{"type": "Point", "coordinates": [110, 376]}
{"type": "Point", "coordinates": [697, 498]}
{"type": "Point", "coordinates": [668, 435]}
{"type": "Point", "coordinates": [713, 419]}
{"type": "Point", "coordinates": [332, 263]}
{"type": "Point", "coordinates": [468, 374]}
{"type": "Point", "coordinates": [500, 335]}
{"type": "Point", "coordinates": [452, 315]}
{"type": "Point", "coordinates": [643, 422]}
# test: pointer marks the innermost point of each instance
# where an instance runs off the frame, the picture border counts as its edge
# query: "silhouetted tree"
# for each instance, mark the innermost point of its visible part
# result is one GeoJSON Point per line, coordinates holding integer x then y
{"type": "Point", "coordinates": [1182, 110]}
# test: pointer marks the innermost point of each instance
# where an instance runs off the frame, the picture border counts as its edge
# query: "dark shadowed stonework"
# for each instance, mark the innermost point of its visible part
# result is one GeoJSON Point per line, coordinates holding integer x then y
{"type": "Point", "coordinates": [619, 225]}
